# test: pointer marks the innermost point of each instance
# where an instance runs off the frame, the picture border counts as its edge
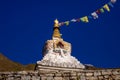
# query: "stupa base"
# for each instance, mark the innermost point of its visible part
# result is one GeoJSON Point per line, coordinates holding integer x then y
{"type": "Point", "coordinates": [52, 60]}
{"type": "Point", "coordinates": [43, 68]}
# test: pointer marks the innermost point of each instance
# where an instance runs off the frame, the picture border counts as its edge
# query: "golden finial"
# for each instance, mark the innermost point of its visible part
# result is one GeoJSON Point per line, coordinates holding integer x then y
{"type": "Point", "coordinates": [56, 23]}
{"type": "Point", "coordinates": [56, 32]}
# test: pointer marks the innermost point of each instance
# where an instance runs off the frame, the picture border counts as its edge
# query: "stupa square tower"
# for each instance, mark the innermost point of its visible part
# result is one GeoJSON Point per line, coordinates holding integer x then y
{"type": "Point", "coordinates": [57, 52]}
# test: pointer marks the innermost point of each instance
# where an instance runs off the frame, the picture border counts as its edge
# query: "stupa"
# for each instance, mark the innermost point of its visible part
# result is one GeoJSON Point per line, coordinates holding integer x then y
{"type": "Point", "coordinates": [57, 52]}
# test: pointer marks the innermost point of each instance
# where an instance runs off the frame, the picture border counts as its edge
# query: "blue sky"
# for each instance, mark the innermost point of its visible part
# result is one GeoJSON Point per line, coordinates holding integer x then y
{"type": "Point", "coordinates": [25, 25]}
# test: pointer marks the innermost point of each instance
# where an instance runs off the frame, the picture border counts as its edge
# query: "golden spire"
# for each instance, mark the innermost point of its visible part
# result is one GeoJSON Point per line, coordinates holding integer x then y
{"type": "Point", "coordinates": [56, 32]}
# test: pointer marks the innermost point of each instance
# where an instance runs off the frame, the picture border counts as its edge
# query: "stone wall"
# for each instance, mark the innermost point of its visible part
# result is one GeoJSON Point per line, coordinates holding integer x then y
{"type": "Point", "coordinates": [106, 74]}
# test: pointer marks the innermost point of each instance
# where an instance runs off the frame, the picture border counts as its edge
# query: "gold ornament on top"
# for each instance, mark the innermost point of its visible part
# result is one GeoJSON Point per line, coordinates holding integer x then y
{"type": "Point", "coordinates": [56, 23]}
{"type": "Point", "coordinates": [56, 30]}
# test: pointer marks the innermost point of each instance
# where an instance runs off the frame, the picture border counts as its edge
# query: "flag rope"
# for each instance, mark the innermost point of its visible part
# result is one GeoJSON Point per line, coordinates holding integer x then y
{"type": "Point", "coordinates": [93, 15]}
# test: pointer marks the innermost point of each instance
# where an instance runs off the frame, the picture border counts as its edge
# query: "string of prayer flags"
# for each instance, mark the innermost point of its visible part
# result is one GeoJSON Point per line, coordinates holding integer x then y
{"type": "Point", "coordinates": [106, 7]}
{"type": "Point", "coordinates": [93, 15]}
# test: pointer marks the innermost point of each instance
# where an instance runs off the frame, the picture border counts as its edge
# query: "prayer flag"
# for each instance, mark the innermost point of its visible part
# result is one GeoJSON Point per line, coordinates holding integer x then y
{"type": "Point", "coordinates": [73, 20]}
{"type": "Point", "coordinates": [106, 7]}
{"type": "Point", "coordinates": [90, 16]}
{"type": "Point", "coordinates": [94, 14]}
{"type": "Point", "coordinates": [110, 4]}
{"type": "Point", "coordinates": [98, 11]}
{"type": "Point", "coordinates": [113, 1]}
{"type": "Point", "coordinates": [101, 10]}
{"type": "Point", "coordinates": [67, 23]}
{"type": "Point", "coordinates": [78, 20]}
{"type": "Point", "coordinates": [84, 19]}
{"type": "Point", "coordinates": [61, 24]}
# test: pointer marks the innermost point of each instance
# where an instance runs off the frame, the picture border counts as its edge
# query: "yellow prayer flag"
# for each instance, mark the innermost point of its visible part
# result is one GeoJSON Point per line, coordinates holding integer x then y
{"type": "Point", "coordinates": [106, 7]}
{"type": "Point", "coordinates": [84, 19]}
{"type": "Point", "coordinates": [67, 23]}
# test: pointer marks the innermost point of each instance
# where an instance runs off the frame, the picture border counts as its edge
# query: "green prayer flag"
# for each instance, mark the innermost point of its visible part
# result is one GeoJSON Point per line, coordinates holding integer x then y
{"type": "Point", "coordinates": [102, 10]}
